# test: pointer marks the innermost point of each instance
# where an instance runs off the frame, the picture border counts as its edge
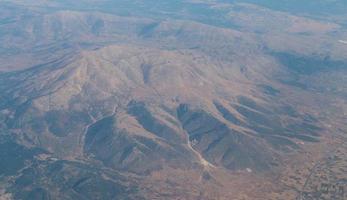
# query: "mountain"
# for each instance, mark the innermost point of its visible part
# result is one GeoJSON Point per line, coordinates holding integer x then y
{"type": "Point", "coordinates": [164, 104]}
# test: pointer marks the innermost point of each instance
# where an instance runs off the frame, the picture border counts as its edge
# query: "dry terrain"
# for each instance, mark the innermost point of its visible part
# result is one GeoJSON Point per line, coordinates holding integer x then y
{"type": "Point", "coordinates": [172, 100]}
